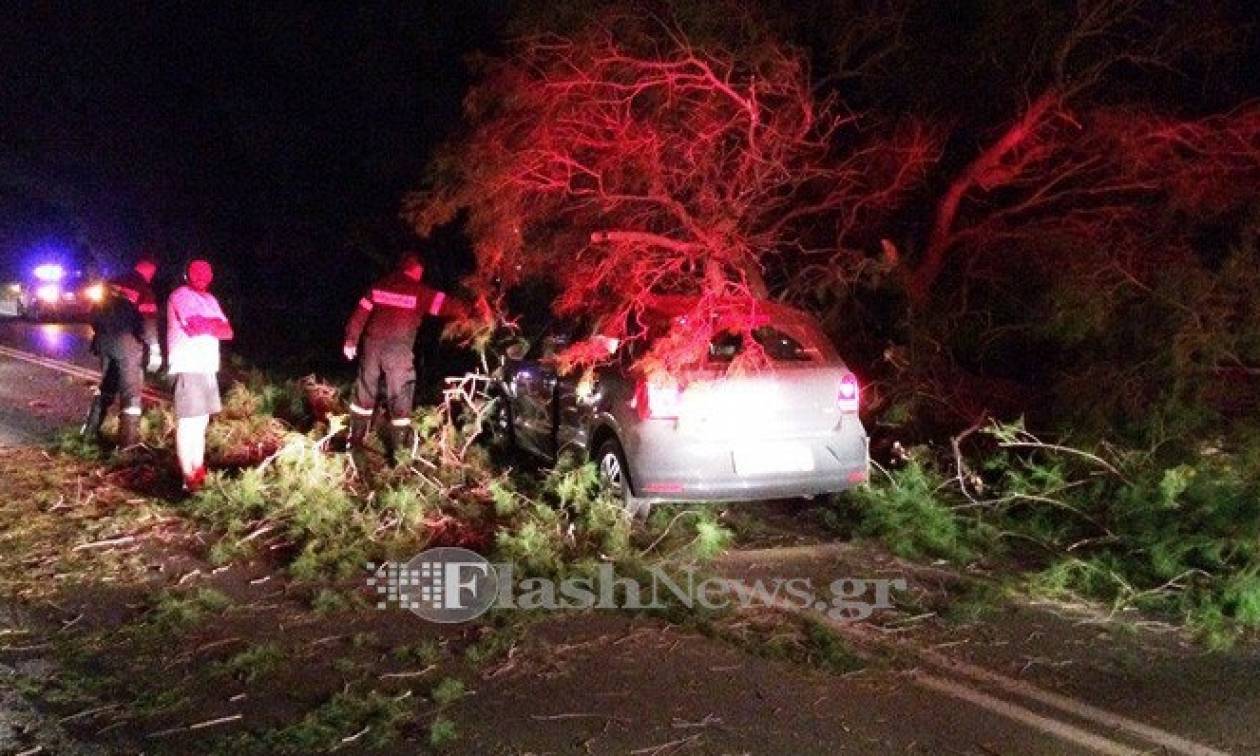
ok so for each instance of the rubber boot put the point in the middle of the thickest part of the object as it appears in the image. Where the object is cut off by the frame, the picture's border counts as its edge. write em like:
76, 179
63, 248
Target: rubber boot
128, 430
96, 415
359, 426
398, 441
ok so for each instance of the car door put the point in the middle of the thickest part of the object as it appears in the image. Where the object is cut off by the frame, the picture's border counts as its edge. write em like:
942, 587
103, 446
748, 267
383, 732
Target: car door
581, 392
534, 389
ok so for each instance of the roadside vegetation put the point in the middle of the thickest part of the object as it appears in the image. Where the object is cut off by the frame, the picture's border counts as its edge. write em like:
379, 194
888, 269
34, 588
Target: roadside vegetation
1178, 541
280, 491
1141, 487
324, 515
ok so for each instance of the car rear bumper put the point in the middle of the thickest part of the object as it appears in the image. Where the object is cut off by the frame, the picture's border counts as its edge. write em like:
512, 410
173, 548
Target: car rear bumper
665, 465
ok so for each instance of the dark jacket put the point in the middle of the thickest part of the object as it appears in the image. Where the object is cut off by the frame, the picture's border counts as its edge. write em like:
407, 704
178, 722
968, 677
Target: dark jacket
129, 310
393, 309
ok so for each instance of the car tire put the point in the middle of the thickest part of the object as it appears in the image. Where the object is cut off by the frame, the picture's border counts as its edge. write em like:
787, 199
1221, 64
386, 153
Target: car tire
614, 474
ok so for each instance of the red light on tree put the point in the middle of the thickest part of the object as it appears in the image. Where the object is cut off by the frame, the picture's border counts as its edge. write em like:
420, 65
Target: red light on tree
630, 161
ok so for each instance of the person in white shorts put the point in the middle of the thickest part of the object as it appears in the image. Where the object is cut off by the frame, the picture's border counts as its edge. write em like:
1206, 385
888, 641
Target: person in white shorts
195, 324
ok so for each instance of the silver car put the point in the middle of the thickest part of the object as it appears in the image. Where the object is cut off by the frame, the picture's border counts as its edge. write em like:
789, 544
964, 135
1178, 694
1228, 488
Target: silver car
788, 430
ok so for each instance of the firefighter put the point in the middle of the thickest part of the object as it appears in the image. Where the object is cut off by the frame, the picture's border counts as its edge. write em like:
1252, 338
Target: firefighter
126, 339
387, 319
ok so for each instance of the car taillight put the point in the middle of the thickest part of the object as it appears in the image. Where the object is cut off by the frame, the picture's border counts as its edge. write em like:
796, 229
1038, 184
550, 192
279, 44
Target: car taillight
658, 398
848, 395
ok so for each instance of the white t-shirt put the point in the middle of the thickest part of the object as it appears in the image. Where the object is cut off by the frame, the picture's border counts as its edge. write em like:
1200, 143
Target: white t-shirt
188, 353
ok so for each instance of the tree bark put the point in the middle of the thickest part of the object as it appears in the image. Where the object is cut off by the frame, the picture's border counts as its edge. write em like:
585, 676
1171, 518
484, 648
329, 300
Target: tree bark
985, 166
642, 237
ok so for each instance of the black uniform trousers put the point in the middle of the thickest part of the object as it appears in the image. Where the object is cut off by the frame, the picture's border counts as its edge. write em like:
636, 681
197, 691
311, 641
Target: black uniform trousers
122, 370
396, 362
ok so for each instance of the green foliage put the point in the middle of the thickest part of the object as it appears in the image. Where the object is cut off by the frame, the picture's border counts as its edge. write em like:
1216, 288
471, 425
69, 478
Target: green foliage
303, 494
70, 442
175, 610
688, 532
1145, 360
793, 638
157, 427
442, 732
328, 601
374, 718
972, 601
425, 653
447, 692
257, 393
333, 516
496, 642
243, 433
712, 538
911, 515
254, 662
825, 650
1180, 540
567, 518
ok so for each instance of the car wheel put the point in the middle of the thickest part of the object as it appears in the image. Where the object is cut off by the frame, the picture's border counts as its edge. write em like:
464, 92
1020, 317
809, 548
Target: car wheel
614, 473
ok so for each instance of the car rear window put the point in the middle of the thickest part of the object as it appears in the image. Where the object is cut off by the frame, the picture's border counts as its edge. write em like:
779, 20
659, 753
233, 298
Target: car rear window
784, 335
777, 345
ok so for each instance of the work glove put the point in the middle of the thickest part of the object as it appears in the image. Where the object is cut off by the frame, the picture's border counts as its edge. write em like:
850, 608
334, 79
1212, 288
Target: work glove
155, 361
350, 351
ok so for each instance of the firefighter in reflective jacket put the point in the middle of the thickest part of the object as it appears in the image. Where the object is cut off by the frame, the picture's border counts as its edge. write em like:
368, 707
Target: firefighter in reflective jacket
387, 319
126, 339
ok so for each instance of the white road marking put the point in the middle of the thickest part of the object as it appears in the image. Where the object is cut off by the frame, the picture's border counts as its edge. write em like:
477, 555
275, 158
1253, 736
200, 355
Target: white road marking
75, 371
1061, 730
1100, 718
1162, 738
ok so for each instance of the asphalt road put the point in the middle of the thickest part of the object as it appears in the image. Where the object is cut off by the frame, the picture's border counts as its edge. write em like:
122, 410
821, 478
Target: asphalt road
36, 402
1023, 682
62, 341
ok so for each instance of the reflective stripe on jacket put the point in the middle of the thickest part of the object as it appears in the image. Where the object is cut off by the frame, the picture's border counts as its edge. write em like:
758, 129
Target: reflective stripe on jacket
393, 309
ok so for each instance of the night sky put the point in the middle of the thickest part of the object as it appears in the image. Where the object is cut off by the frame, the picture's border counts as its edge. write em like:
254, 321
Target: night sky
257, 134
